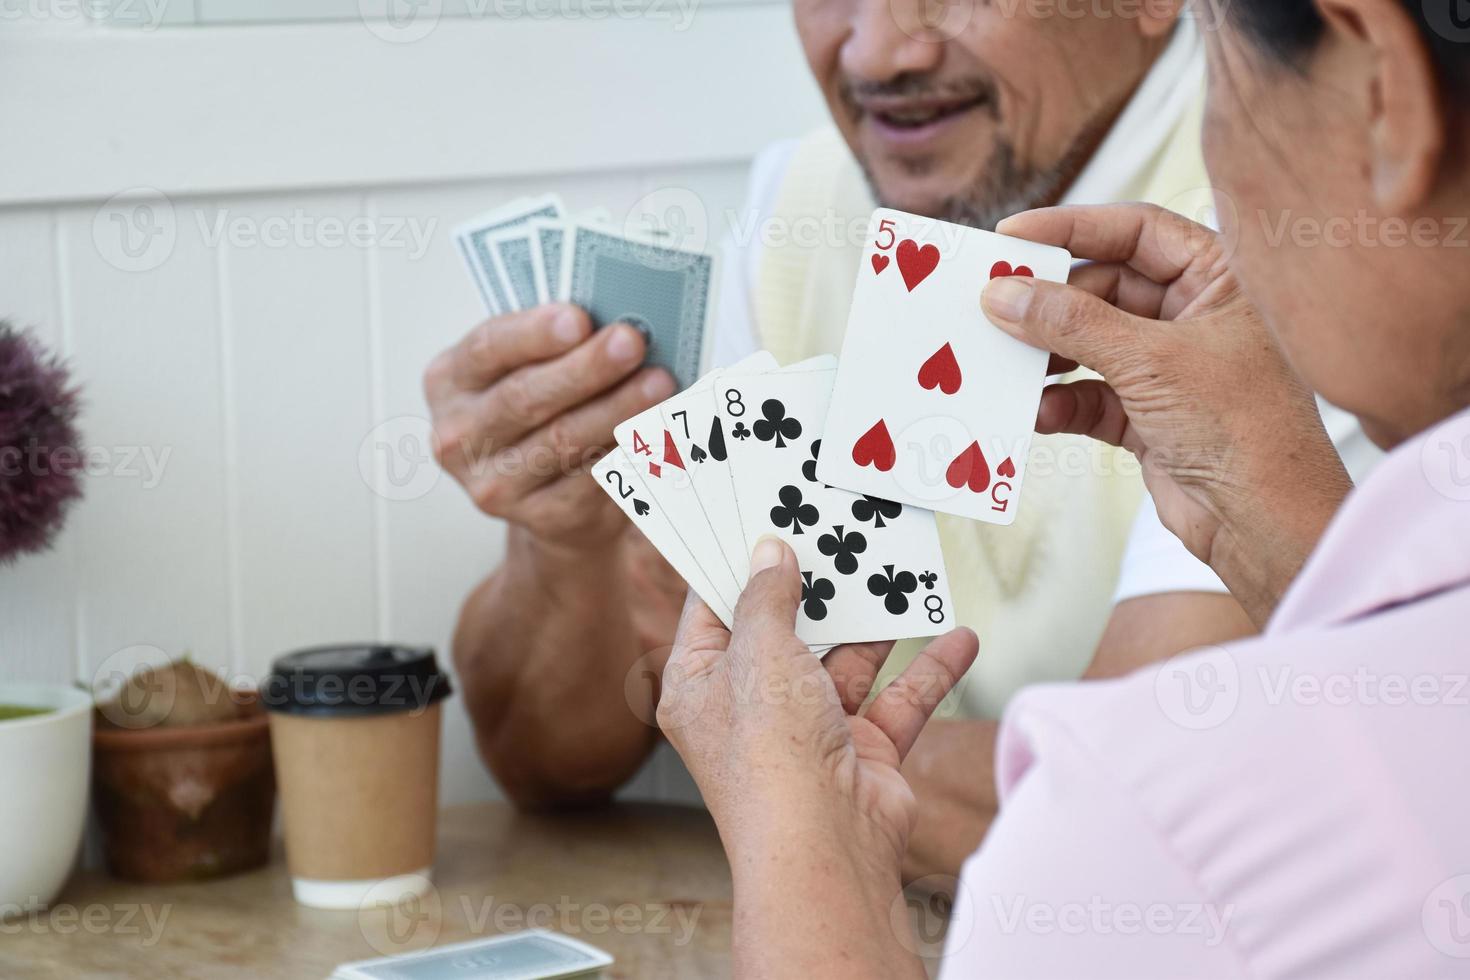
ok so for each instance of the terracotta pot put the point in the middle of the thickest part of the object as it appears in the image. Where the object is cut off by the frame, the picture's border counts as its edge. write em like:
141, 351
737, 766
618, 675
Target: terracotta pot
185, 803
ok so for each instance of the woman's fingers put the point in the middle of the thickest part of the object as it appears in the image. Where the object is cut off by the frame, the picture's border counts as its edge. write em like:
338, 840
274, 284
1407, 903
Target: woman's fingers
1068, 321
904, 706
1158, 243
854, 669
1121, 286
1085, 408
1059, 365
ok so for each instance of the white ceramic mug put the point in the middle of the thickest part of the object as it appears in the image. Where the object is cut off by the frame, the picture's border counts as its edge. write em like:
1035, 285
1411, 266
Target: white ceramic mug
45, 770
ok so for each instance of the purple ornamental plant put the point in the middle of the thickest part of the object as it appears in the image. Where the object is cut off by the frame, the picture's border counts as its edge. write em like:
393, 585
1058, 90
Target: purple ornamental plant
40, 459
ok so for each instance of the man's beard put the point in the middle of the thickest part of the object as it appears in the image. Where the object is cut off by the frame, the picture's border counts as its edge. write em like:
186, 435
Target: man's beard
1006, 186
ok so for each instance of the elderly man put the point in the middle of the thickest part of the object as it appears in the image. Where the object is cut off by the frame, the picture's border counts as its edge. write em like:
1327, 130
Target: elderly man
997, 108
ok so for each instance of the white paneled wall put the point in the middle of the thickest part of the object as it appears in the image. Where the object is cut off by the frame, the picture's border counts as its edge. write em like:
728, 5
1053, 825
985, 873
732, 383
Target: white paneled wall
267, 378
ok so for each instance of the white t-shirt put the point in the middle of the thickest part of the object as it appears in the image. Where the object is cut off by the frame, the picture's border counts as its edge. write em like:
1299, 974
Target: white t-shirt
735, 336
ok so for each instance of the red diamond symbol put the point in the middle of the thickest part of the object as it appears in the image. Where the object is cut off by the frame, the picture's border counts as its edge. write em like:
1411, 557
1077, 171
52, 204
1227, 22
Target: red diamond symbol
655, 469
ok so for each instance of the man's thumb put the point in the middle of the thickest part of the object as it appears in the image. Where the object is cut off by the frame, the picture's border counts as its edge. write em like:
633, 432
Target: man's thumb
1061, 319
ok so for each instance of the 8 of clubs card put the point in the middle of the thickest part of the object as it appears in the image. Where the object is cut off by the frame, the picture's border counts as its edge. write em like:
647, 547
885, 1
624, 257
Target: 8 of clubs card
935, 406
871, 569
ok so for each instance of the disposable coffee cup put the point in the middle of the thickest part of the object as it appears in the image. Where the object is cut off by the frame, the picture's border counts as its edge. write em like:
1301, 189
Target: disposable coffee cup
355, 734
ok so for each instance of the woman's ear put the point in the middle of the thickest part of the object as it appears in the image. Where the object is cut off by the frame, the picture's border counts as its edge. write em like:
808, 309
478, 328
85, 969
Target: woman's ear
1399, 95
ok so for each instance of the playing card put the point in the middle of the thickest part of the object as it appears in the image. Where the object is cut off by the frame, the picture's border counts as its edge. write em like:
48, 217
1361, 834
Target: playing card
474, 237
536, 954
666, 292
934, 406
547, 239
648, 441
699, 439
511, 251
618, 476
872, 569
600, 216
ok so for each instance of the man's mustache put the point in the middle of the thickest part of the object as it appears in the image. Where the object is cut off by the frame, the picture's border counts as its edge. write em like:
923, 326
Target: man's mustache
975, 88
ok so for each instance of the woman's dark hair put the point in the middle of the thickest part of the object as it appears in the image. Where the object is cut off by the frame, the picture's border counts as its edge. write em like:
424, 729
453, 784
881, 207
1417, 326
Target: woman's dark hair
1290, 29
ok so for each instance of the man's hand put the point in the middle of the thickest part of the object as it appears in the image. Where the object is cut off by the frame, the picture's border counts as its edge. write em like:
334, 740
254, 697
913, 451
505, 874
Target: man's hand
522, 406
1231, 442
526, 402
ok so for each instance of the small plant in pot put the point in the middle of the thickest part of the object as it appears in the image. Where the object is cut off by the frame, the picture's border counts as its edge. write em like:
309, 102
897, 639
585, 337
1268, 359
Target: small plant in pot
182, 776
45, 727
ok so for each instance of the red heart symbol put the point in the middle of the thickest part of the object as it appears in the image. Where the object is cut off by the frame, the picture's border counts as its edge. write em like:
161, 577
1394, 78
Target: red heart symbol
1003, 269
1007, 469
916, 263
941, 370
880, 262
969, 467
875, 448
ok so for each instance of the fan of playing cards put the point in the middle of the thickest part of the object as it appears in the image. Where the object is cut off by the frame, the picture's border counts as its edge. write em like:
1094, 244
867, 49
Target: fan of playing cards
931, 409
710, 471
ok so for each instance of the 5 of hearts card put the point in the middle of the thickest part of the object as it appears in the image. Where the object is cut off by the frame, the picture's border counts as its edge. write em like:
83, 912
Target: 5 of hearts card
934, 406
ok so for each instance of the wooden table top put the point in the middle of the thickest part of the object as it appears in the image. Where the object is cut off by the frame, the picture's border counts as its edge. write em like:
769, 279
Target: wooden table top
647, 883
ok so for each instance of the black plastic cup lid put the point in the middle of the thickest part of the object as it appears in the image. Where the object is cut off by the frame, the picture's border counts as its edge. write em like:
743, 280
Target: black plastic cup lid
358, 679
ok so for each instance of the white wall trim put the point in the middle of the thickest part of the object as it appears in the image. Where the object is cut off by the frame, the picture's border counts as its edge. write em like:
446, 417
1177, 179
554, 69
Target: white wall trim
90, 114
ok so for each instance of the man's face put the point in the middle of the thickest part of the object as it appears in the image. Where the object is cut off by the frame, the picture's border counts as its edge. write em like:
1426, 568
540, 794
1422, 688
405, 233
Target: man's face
971, 110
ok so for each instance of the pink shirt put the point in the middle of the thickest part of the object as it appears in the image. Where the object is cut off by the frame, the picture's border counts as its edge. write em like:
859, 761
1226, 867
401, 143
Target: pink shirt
1297, 805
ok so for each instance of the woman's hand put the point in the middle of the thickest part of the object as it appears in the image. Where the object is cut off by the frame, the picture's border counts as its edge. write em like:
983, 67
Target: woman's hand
1230, 440
807, 793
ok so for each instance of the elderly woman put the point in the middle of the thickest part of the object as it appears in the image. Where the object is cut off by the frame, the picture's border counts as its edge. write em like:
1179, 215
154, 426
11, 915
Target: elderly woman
1295, 805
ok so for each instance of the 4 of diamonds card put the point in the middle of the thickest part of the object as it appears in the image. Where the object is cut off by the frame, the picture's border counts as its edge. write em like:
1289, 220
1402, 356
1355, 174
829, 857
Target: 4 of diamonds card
934, 406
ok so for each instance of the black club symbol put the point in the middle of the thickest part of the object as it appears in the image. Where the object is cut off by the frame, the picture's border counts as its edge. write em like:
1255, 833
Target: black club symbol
930, 580
740, 431
843, 548
893, 589
792, 513
776, 425
815, 594
876, 510
809, 468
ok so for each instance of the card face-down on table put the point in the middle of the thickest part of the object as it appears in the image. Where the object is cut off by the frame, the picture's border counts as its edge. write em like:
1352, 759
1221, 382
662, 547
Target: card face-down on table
536, 954
934, 406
